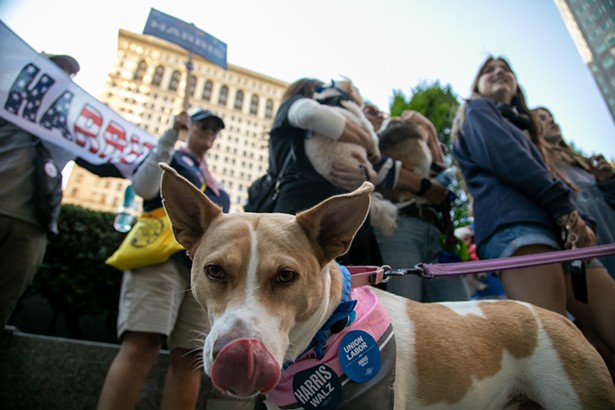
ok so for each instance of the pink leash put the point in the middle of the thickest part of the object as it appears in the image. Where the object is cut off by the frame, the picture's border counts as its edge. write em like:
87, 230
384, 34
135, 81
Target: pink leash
372, 275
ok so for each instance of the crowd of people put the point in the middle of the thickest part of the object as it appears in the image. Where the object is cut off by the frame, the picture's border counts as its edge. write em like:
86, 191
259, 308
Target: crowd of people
530, 193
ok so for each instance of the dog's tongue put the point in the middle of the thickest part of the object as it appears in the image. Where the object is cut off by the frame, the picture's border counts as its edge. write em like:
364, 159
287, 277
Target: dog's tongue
245, 367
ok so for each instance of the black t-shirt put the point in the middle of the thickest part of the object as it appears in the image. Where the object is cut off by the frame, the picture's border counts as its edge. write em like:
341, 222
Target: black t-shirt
304, 187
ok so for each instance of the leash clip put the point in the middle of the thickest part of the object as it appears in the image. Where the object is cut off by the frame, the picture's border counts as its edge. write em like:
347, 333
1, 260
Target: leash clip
388, 273
415, 270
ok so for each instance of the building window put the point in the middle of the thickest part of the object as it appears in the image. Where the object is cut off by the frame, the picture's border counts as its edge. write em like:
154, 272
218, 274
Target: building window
207, 90
269, 109
254, 105
239, 100
140, 71
174, 82
191, 85
158, 73
223, 95
608, 62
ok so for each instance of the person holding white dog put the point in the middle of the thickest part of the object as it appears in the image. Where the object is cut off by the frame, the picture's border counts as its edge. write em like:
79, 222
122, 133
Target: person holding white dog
299, 115
303, 187
156, 305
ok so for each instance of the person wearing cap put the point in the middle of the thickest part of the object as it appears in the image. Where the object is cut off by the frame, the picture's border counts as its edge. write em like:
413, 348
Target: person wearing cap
156, 305
27, 217
67, 63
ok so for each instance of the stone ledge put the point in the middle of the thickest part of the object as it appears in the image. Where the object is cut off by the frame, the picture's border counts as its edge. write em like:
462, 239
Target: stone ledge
42, 372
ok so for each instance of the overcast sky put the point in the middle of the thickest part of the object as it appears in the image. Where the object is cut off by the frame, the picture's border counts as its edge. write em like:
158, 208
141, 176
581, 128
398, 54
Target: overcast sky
381, 45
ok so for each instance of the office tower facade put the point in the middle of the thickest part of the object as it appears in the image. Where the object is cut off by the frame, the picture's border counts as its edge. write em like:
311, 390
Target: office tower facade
591, 24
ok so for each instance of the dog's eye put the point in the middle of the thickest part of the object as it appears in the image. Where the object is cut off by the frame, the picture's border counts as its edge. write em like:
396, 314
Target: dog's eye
285, 277
215, 272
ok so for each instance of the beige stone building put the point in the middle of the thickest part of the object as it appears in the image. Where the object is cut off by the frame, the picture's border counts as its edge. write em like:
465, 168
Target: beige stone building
147, 87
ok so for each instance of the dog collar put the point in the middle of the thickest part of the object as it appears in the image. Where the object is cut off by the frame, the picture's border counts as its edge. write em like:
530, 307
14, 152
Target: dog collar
342, 317
332, 100
335, 101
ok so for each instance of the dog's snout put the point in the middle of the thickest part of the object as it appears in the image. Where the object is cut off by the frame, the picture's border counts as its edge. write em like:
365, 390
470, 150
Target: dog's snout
239, 330
219, 345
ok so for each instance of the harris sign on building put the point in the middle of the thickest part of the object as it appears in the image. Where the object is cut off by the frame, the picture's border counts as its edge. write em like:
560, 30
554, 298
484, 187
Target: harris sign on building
187, 36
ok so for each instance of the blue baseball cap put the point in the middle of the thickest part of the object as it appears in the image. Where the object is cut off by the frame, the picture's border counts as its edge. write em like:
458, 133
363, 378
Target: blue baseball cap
201, 114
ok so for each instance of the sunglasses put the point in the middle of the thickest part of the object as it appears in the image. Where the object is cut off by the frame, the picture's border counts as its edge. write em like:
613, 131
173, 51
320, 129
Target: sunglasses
204, 126
372, 111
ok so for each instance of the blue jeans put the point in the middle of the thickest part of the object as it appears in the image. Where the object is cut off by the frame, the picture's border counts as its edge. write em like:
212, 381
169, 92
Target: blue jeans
415, 241
507, 240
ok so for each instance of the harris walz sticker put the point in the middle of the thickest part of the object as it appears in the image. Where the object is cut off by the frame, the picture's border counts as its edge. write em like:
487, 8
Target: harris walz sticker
318, 388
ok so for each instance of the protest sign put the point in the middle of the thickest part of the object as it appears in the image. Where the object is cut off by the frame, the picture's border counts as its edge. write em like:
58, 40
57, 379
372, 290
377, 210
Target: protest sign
37, 96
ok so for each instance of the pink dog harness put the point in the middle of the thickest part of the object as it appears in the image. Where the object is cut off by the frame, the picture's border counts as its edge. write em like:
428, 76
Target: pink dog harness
357, 367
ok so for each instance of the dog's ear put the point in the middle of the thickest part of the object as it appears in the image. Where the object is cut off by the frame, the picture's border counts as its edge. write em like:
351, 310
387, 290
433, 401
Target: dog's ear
332, 224
189, 210
352, 90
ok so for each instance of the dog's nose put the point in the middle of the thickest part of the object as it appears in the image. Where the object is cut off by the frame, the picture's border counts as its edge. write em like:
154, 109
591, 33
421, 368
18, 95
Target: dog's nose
219, 344
239, 330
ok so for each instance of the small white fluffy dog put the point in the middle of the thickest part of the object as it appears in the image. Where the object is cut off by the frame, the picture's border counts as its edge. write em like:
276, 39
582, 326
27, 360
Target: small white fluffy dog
323, 152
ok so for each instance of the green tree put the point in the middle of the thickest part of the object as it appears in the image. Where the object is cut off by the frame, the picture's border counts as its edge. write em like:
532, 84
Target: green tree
436, 102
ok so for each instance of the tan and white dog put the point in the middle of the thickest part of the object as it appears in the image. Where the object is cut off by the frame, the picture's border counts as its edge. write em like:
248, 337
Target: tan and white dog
268, 283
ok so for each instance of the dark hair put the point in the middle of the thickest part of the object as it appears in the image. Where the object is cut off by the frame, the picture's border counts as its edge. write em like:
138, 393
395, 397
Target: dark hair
561, 152
518, 101
303, 86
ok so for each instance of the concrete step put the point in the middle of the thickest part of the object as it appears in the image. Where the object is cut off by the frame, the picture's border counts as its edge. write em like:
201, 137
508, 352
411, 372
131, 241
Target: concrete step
42, 372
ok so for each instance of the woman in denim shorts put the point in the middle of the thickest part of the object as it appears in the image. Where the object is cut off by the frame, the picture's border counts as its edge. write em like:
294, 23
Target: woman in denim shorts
519, 207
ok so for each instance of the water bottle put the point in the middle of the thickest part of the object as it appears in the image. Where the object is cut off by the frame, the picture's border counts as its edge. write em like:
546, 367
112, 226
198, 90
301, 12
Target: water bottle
126, 213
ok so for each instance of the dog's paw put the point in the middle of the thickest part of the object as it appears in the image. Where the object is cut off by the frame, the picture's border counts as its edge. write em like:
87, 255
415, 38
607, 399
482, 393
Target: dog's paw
374, 156
383, 214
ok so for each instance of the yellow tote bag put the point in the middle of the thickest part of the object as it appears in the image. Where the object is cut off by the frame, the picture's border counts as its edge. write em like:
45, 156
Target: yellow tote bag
149, 242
